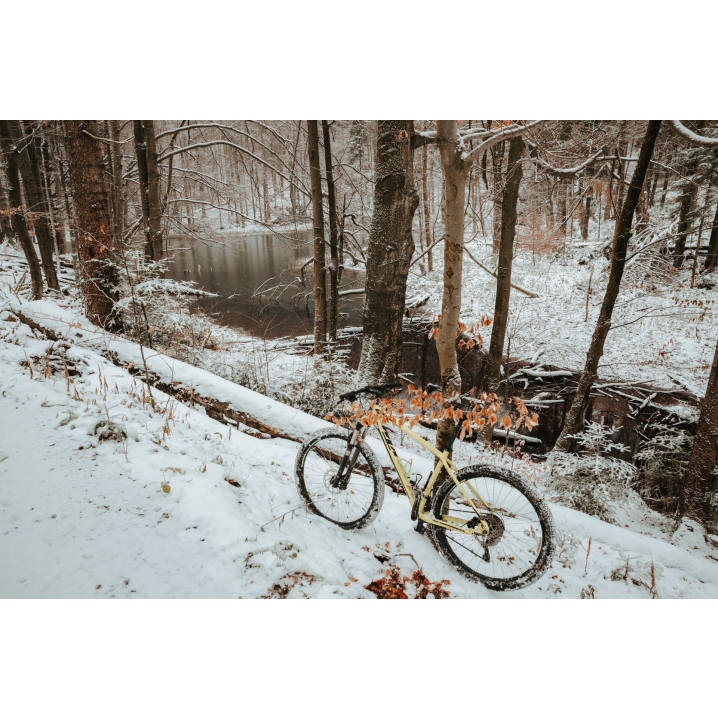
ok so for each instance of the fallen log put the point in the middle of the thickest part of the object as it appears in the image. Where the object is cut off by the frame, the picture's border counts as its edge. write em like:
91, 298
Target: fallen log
223, 400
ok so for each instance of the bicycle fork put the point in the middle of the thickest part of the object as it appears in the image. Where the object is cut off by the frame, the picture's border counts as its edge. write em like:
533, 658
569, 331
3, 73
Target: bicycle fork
341, 480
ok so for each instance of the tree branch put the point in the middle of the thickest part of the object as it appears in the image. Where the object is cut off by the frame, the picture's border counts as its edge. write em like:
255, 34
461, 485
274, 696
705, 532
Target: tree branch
696, 140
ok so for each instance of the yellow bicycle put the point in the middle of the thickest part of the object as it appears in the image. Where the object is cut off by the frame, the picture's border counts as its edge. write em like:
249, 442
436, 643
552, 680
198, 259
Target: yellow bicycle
486, 521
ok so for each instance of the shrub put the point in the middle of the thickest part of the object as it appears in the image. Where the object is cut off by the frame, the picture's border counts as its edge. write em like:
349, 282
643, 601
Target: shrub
592, 482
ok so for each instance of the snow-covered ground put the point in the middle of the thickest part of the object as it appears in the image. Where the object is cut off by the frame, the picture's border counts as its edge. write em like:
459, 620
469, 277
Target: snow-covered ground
85, 517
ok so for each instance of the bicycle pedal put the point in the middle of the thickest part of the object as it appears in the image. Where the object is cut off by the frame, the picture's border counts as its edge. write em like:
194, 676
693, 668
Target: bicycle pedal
420, 527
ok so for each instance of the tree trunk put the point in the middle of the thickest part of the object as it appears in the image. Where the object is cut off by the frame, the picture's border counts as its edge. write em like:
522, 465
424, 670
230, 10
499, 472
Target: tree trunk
696, 496
154, 205
455, 172
31, 178
427, 214
712, 258
6, 231
687, 201
497, 155
320, 290
333, 309
19, 225
561, 192
514, 173
391, 246
141, 155
92, 208
574, 419
69, 223
586, 216
117, 227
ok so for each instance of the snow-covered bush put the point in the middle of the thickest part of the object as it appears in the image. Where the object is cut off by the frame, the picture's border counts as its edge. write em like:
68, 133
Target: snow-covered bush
154, 310
662, 469
591, 481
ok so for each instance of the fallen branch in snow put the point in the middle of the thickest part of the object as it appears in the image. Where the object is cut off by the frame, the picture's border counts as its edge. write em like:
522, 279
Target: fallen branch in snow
493, 274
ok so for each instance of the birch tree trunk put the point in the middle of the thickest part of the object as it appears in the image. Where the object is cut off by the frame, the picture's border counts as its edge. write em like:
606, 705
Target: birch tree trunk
574, 419
391, 246
455, 171
92, 208
320, 291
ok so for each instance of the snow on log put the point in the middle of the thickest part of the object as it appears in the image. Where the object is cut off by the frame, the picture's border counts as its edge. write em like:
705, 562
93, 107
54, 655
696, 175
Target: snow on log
223, 400
545, 374
518, 437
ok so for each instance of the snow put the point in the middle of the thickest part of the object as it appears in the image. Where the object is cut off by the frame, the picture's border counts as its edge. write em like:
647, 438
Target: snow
80, 517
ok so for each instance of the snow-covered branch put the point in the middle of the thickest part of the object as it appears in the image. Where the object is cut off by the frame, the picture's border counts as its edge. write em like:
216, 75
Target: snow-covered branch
566, 171
695, 139
497, 136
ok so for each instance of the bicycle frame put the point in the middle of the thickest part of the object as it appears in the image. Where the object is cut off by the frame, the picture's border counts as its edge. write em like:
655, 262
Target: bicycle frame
444, 462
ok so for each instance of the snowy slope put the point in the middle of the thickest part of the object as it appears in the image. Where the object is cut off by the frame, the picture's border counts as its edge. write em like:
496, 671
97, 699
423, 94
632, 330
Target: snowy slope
80, 517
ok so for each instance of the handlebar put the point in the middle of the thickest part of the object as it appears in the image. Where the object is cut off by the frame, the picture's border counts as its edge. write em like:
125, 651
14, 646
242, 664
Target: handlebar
378, 390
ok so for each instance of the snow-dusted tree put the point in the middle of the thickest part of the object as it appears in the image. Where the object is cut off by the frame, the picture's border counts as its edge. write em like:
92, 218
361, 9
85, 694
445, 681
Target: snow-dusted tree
320, 289
622, 236
92, 209
391, 246
457, 160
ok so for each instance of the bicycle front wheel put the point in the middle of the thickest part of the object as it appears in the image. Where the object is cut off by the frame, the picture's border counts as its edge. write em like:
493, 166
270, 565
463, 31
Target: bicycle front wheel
356, 501
520, 543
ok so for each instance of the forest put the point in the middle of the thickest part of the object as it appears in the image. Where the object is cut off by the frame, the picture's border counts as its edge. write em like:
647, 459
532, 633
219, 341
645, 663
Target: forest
185, 303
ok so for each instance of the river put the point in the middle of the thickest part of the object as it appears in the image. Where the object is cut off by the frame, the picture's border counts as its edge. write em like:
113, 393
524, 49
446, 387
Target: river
241, 264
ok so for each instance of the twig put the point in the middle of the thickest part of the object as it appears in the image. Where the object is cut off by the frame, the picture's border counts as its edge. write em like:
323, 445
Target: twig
523, 291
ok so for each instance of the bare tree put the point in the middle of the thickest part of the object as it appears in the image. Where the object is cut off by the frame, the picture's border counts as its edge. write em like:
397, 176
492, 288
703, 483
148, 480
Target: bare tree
320, 289
574, 419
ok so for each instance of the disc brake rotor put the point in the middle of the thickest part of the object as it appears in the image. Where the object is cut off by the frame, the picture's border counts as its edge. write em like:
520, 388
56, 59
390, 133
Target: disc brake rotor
496, 530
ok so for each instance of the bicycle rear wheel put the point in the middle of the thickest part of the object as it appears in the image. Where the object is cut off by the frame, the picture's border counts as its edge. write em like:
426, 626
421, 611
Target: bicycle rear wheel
357, 501
520, 544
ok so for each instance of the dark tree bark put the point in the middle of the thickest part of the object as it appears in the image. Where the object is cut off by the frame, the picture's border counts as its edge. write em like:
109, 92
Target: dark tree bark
12, 175
391, 246
333, 309
31, 179
687, 201
509, 204
497, 158
320, 271
5, 221
586, 216
574, 419
695, 500
92, 208
141, 155
154, 204
712, 258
